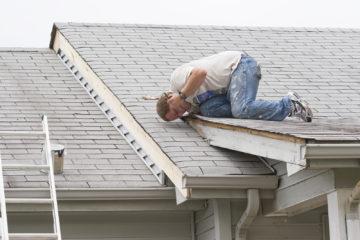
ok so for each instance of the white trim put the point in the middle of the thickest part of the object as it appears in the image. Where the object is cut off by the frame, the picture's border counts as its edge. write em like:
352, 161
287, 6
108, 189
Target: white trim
135, 194
298, 154
179, 197
279, 149
96, 194
134, 205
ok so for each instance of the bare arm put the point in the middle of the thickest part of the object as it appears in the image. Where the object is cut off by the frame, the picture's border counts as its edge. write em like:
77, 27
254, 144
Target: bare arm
196, 78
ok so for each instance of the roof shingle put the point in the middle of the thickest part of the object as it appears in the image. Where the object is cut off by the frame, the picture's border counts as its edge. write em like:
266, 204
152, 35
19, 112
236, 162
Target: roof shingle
36, 82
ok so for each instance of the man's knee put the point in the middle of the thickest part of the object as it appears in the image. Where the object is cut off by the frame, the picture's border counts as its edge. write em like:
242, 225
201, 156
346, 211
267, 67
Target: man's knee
239, 111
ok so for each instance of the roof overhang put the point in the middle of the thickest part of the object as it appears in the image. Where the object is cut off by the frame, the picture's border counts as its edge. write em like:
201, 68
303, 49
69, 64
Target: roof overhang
128, 199
299, 153
135, 199
95, 194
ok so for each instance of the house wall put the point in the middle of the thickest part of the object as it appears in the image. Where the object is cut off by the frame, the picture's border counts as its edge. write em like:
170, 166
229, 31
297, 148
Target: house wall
109, 225
204, 223
307, 226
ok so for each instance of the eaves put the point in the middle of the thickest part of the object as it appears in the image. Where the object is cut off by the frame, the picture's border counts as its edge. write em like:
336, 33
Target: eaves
300, 150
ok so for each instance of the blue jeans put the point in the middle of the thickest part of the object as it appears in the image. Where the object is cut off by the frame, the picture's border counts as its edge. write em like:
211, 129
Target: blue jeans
239, 102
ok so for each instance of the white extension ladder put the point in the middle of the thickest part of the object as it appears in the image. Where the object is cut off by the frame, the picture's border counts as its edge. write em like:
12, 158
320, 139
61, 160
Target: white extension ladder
45, 167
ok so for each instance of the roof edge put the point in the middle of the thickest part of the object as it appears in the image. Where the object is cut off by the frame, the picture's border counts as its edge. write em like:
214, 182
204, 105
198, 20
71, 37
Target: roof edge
207, 27
25, 49
52, 36
97, 194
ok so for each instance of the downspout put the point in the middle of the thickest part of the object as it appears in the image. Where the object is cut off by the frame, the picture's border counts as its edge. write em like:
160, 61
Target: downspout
249, 215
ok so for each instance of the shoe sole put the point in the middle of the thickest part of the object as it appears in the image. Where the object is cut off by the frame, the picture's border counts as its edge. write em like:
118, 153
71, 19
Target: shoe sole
303, 104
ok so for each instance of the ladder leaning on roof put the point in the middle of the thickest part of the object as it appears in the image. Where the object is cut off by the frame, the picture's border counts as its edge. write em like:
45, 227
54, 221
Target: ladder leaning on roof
48, 167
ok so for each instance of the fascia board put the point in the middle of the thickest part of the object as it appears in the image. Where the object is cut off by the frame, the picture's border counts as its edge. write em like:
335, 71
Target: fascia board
296, 152
95, 194
231, 182
52, 36
289, 150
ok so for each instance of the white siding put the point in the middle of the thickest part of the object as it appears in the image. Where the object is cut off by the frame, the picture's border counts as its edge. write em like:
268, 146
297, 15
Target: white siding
306, 226
204, 223
110, 225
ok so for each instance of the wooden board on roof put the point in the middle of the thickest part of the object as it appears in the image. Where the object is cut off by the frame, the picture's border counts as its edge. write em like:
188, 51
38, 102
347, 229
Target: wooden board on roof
320, 130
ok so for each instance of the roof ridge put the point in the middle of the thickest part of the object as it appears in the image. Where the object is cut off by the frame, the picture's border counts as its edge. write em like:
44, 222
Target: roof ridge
213, 27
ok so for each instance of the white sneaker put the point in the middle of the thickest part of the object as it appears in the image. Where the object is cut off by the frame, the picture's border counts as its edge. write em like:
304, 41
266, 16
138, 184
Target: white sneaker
299, 108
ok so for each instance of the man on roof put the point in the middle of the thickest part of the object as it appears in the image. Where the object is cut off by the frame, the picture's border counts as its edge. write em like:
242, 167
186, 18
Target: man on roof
225, 85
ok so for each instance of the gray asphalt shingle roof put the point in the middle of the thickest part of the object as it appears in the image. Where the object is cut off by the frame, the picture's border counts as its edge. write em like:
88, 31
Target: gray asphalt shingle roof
137, 60
320, 64
33, 82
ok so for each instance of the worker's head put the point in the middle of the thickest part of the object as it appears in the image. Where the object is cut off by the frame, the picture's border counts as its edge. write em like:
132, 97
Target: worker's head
168, 111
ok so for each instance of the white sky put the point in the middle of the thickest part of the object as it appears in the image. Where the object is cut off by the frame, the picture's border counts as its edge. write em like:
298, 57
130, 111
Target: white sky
28, 23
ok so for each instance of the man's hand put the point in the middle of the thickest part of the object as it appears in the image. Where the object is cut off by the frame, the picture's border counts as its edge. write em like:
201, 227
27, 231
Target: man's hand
178, 102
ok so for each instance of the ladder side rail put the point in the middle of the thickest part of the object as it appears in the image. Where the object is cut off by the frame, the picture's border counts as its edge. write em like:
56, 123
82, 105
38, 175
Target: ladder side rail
4, 225
51, 178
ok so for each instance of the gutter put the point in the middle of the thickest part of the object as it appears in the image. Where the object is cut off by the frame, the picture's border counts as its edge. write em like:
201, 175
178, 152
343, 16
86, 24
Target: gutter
229, 186
114, 200
95, 194
231, 182
324, 156
249, 215
332, 151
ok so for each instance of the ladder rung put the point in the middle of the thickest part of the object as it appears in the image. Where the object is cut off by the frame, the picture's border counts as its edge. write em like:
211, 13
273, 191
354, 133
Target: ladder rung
26, 166
29, 200
21, 133
29, 236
